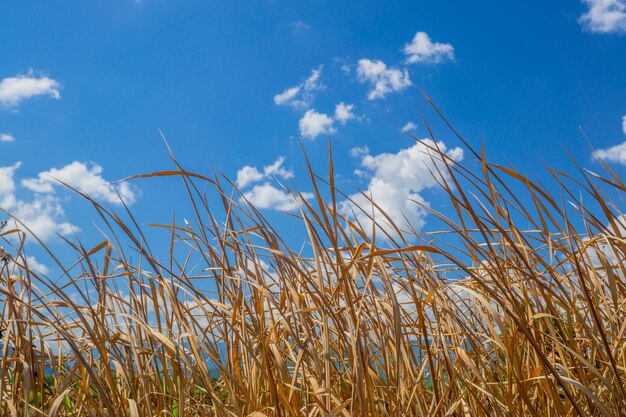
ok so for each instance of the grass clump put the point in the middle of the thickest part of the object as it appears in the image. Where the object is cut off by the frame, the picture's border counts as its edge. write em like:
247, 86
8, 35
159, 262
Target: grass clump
517, 308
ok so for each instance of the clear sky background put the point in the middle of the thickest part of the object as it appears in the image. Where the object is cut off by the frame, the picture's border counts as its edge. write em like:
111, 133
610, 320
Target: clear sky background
86, 86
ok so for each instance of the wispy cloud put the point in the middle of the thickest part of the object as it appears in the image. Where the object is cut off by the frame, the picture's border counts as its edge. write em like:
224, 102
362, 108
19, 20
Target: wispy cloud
409, 126
299, 26
301, 96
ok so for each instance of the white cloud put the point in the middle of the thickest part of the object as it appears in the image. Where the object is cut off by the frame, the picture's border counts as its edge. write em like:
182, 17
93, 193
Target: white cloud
409, 126
313, 124
604, 16
86, 178
7, 184
249, 174
286, 96
267, 196
42, 215
313, 82
14, 90
617, 153
422, 49
383, 80
396, 181
33, 264
344, 113
359, 151
276, 169
36, 266
6, 137
301, 96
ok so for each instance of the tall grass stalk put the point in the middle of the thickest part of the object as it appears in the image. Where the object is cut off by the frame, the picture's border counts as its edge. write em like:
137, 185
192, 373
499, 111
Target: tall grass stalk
516, 308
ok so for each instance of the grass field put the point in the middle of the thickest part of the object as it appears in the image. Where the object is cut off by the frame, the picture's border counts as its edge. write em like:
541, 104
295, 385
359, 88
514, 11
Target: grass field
516, 307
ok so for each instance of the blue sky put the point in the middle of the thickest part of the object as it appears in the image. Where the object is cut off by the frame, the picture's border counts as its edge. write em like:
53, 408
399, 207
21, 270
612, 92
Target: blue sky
85, 88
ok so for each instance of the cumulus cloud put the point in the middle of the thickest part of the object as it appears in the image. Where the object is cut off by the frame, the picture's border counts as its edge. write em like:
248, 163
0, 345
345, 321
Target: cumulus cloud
423, 49
313, 124
604, 16
86, 178
301, 96
249, 174
43, 212
344, 113
14, 90
6, 137
383, 80
43, 215
267, 196
395, 185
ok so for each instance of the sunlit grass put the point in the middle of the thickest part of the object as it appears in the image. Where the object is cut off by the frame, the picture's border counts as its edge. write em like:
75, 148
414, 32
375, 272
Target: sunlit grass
516, 308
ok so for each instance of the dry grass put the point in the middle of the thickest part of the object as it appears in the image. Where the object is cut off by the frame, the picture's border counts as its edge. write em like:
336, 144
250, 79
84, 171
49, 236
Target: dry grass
518, 309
